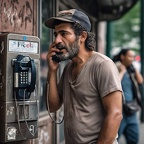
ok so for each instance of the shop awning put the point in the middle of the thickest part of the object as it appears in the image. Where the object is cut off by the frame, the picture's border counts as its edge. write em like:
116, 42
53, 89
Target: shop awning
106, 10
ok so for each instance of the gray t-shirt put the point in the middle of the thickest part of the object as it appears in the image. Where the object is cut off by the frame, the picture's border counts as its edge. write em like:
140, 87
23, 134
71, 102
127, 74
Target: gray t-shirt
83, 110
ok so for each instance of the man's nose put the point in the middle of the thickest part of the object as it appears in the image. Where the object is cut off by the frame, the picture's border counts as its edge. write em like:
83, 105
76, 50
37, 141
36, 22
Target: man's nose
58, 39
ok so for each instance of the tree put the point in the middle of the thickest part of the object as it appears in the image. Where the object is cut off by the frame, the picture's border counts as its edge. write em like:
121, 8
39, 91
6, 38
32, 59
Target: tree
126, 31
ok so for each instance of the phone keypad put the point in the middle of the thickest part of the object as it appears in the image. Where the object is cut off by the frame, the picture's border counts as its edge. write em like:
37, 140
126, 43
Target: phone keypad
24, 77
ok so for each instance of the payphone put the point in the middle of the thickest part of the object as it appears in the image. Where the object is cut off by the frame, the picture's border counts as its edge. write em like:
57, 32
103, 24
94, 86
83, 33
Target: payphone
19, 87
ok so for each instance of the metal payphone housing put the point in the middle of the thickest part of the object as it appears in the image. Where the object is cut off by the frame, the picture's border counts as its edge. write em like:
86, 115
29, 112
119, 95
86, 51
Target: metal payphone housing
19, 118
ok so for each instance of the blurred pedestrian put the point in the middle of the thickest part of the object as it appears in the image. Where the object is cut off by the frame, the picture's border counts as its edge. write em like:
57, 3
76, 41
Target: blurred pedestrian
130, 80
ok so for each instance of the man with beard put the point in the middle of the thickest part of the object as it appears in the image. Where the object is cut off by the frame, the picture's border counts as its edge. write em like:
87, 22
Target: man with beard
89, 87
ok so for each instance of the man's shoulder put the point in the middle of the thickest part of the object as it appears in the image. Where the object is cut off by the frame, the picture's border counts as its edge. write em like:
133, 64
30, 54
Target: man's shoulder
100, 58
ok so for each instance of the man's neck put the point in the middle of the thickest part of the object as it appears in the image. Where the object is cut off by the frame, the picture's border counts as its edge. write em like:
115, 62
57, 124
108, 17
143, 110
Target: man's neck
82, 58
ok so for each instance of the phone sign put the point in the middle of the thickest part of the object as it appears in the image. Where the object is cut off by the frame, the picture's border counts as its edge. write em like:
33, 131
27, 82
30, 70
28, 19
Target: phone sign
23, 46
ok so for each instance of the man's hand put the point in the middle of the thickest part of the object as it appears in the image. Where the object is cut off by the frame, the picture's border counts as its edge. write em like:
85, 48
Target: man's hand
53, 66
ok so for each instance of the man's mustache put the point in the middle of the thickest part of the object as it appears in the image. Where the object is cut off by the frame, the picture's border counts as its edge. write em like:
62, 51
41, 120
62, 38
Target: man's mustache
60, 46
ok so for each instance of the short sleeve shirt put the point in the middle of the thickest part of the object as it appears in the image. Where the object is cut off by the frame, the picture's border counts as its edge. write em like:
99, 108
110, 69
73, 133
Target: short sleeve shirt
83, 110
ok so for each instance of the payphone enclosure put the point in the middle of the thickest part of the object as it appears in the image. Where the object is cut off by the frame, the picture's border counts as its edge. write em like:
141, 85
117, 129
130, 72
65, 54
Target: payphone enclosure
19, 87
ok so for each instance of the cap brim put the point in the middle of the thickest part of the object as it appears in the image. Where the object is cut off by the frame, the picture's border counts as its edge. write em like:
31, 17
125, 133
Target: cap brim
50, 22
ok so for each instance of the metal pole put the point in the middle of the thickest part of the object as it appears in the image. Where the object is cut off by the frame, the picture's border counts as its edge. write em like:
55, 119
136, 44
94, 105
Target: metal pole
97, 35
108, 39
142, 54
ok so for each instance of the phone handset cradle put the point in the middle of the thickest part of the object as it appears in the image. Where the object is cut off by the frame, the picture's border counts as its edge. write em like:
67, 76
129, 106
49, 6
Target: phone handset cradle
24, 77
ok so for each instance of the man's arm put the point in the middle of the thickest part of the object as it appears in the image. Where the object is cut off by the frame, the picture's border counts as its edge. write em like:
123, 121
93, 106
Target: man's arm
113, 106
53, 99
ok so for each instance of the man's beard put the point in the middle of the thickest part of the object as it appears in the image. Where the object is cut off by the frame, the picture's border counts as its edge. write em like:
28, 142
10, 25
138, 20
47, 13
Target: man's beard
71, 50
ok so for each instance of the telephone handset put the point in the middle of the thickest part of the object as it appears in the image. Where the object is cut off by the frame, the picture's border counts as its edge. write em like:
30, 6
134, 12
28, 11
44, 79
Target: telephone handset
56, 57
24, 77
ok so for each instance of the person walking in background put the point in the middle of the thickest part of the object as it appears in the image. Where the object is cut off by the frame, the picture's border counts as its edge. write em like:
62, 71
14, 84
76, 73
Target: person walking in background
130, 80
89, 87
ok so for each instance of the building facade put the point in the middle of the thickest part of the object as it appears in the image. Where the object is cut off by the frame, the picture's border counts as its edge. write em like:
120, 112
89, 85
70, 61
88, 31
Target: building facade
27, 18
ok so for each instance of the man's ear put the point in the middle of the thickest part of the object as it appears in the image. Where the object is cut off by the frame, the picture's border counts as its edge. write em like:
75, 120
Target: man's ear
83, 36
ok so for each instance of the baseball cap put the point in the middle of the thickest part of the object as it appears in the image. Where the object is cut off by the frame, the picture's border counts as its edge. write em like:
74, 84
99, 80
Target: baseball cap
72, 16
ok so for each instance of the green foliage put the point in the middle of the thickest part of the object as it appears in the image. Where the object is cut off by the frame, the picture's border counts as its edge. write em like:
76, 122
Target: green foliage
125, 31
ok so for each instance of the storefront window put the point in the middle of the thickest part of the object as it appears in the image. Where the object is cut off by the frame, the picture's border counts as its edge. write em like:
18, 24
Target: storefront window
45, 41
